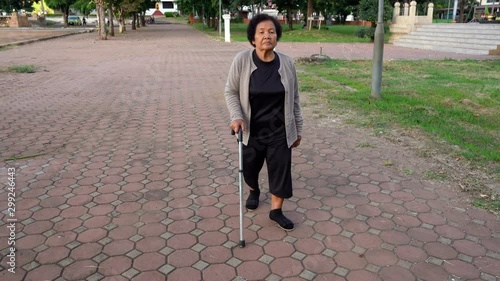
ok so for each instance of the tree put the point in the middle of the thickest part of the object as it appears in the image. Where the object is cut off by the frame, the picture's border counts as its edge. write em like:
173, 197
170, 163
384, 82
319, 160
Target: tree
310, 10
11, 5
344, 8
63, 6
368, 11
290, 6
125, 8
101, 19
84, 6
42, 8
463, 5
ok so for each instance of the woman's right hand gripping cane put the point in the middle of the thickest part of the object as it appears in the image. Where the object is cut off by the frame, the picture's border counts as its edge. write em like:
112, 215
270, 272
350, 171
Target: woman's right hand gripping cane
237, 124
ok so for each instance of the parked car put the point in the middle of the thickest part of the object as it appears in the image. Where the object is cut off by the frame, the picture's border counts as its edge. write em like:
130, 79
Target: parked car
74, 20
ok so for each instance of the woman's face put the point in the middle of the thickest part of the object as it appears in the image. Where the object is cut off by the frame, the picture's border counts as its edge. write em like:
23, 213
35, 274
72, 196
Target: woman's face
265, 36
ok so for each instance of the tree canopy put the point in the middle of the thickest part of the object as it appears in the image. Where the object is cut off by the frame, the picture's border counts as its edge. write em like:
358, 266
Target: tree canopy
10, 5
368, 10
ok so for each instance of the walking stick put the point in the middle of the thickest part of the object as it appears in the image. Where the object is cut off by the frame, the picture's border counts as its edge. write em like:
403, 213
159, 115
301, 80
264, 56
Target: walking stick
240, 189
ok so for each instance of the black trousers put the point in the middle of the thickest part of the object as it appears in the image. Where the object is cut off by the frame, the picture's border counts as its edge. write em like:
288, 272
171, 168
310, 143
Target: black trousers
278, 158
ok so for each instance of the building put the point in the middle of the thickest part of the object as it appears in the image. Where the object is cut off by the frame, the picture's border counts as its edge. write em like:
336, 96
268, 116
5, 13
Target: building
493, 8
163, 7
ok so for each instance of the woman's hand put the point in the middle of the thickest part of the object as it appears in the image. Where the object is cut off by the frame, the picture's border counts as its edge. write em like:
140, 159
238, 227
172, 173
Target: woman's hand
237, 124
297, 142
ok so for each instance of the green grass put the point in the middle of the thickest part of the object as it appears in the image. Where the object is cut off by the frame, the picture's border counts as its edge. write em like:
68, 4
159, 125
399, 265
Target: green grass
456, 101
489, 204
450, 20
327, 34
22, 68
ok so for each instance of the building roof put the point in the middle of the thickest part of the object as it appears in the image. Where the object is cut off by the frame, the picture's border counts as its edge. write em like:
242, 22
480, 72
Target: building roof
157, 13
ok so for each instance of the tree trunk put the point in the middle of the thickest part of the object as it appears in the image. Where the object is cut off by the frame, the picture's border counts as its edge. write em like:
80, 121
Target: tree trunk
65, 16
110, 20
102, 20
290, 18
121, 21
134, 18
461, 15
309, 13
143, 19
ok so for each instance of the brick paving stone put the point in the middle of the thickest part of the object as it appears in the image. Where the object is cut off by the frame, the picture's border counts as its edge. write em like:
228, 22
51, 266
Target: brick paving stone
181, 241
218, 272
91, 235
149, 275
279, 249
395, 273
428, 271
354, 225
152, 229
79, 270
410, 253
150, 244
30, 241
252, 270
381, 257
122, 232
118, 247
367, 240
212, 238
492, 244
23, 257
309, 246
138, 180
215, 254
52, 255
86, 251
350, 260
44, 272
488, 265
441, 251
286, 267
422, 234
250, 252
97, 222
149, 261
362, 275
469, 248
115, 265
38, 227
183, 258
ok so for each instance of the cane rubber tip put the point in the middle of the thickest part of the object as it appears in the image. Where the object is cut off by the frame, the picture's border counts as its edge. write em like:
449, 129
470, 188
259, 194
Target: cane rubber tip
242, 243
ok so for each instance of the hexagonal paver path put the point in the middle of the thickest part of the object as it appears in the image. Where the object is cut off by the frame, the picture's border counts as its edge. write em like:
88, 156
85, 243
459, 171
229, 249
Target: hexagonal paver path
130, 174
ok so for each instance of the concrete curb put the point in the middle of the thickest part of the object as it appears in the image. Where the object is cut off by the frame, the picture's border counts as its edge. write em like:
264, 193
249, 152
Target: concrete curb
29, 41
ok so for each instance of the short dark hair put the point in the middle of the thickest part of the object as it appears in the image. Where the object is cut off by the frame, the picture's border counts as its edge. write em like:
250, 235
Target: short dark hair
252, 26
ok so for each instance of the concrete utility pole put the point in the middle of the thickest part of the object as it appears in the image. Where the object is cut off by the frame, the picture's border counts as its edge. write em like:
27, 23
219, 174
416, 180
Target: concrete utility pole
220, 17
455, 6
378, 53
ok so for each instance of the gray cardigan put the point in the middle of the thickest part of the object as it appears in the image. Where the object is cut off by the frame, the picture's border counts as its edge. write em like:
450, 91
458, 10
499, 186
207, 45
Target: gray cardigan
237, 93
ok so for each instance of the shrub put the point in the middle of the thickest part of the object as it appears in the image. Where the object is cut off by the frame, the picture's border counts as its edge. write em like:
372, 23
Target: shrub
237, 20
365, 31
23, 68
171, 14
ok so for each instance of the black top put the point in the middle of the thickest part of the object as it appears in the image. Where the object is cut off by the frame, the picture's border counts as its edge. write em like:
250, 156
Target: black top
267, 100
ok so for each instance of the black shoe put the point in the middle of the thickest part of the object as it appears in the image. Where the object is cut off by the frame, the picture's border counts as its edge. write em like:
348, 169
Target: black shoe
277, 216
253, 200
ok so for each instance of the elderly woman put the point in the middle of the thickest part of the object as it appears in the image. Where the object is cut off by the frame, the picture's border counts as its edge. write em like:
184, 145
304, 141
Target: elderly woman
262, 96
